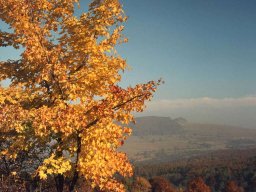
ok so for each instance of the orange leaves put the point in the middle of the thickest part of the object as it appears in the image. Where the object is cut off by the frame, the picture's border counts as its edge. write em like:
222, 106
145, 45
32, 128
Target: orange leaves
101, 159
63, 95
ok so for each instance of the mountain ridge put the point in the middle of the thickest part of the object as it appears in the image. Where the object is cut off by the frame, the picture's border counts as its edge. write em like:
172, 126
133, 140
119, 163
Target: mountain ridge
164, 138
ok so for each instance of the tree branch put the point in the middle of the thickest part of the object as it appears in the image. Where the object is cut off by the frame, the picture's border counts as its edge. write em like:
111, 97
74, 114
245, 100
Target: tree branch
129, 100
114, 108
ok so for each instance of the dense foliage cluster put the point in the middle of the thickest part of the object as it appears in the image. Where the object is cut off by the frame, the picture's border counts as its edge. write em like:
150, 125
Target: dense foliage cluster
63, 115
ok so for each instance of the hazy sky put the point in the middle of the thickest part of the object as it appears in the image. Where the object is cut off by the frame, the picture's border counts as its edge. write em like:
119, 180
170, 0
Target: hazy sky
204, 50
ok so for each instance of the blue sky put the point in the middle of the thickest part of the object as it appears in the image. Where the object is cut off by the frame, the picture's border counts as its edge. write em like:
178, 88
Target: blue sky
204, 50
201, 47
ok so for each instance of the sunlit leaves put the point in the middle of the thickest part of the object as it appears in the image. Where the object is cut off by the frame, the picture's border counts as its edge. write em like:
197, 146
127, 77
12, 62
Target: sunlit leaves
64, 96
53, 165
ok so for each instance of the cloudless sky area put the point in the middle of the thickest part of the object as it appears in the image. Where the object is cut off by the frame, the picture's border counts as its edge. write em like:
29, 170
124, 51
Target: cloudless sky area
201, 48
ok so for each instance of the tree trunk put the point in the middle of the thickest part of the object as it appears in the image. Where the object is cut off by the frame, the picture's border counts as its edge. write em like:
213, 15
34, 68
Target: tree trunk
59, 181
73, 182
76, 173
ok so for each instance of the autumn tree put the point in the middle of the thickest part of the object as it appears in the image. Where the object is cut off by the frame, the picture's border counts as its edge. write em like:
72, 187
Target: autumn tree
161, 184
198, 185
63, 100
141, 184
232, 186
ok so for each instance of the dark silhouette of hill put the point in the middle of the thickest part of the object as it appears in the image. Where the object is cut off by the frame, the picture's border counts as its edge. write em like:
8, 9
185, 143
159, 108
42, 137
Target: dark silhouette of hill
152, 125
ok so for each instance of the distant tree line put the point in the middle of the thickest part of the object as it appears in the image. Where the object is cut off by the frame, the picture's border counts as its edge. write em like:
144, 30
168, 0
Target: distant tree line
222, 171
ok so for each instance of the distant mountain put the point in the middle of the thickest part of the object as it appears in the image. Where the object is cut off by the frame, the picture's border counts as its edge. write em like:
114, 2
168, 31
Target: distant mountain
152, 125
181, 121
164, 138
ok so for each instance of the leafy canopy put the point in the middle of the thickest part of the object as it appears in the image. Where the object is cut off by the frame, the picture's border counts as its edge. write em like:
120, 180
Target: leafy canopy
64, 94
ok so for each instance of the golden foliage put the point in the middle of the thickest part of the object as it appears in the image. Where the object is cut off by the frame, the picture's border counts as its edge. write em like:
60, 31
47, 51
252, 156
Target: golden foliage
64, 91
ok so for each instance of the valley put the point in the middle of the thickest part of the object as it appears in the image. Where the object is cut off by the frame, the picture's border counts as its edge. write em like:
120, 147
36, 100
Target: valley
161, 139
